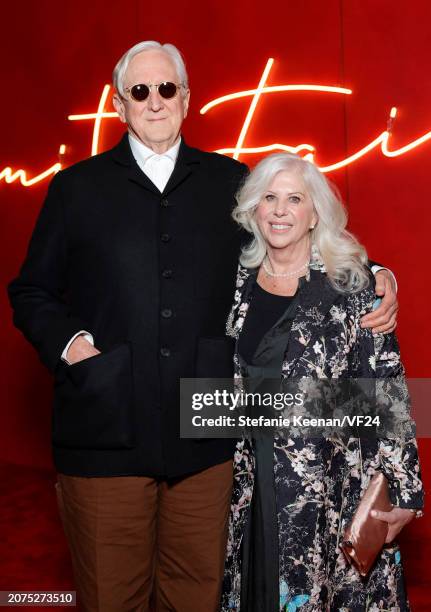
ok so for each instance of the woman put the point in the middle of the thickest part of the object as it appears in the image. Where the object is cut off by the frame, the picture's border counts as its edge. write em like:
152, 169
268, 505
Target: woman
302, 287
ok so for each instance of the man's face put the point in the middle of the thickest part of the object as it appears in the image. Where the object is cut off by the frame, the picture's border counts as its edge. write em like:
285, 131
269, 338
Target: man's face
156, 121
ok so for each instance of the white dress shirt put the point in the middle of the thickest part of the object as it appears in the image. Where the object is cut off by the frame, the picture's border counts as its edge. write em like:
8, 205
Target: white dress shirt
157, 167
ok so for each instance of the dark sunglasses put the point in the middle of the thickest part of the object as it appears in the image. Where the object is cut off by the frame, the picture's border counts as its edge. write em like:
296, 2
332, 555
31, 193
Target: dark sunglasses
141, 92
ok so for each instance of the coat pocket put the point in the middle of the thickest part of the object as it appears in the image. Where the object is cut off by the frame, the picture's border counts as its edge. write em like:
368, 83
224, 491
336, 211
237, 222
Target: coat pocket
93, 402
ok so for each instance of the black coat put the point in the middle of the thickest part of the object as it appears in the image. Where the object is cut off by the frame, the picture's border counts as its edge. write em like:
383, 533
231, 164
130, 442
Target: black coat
151, 275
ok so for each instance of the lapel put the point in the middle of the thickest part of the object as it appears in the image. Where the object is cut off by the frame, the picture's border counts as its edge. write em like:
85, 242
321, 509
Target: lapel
245, 281
187, 160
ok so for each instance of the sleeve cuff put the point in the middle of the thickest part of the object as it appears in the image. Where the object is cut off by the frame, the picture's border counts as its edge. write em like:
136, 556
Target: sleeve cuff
84, 333
375, 269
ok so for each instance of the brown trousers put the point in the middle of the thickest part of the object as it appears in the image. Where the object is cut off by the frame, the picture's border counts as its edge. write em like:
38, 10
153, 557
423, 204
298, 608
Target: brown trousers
141, 544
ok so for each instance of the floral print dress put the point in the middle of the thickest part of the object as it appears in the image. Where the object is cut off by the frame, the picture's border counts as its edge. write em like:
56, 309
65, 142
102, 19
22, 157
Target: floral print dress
318, 482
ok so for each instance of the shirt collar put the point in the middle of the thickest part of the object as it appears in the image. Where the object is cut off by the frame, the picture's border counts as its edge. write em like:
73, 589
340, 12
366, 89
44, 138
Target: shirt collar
142, 153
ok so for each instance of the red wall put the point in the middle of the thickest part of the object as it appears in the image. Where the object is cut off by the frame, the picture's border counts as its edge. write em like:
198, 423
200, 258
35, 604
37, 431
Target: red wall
58, 56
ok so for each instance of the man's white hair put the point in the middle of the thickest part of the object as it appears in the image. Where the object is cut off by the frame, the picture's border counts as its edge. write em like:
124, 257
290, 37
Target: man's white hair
150, 45
344, 257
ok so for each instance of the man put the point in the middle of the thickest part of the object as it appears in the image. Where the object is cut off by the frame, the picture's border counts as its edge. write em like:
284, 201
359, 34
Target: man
125, 289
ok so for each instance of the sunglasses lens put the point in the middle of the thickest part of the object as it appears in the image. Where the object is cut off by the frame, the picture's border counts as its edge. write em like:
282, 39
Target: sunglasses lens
139, 92
167, 90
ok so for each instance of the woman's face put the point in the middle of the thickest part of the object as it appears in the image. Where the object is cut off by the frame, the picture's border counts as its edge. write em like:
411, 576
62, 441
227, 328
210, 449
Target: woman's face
285, 213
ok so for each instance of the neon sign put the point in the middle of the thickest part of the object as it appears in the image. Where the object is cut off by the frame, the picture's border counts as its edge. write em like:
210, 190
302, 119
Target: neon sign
307, 150
97, 116
257, 93
9, 176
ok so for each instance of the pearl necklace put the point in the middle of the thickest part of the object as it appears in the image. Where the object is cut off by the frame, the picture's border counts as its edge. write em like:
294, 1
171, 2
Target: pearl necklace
284, 274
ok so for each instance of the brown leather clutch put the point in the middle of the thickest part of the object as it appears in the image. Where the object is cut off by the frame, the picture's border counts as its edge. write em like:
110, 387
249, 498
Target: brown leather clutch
364, 536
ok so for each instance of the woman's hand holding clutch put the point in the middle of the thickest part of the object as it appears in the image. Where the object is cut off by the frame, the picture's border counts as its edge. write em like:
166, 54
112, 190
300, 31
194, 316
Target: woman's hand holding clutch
397, 518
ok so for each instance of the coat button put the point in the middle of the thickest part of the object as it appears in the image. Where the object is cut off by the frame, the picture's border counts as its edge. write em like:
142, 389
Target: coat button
165, 351
164, 202
167, 313
165, 237
167, 273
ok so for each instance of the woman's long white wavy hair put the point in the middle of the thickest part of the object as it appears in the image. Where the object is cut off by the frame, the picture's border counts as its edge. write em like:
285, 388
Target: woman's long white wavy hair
343, 256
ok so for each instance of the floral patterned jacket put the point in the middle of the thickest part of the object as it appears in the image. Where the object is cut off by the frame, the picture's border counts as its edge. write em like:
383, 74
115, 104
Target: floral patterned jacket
326, 341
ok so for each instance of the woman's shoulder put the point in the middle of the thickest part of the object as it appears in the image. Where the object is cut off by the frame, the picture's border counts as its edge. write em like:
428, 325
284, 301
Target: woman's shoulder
364, 298
346, 307
356, 299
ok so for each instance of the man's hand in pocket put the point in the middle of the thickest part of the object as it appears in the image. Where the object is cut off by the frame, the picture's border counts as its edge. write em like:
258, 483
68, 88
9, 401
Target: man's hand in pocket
80, 349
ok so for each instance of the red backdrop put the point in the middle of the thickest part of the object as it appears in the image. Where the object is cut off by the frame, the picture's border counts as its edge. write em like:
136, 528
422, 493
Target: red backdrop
58, 56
